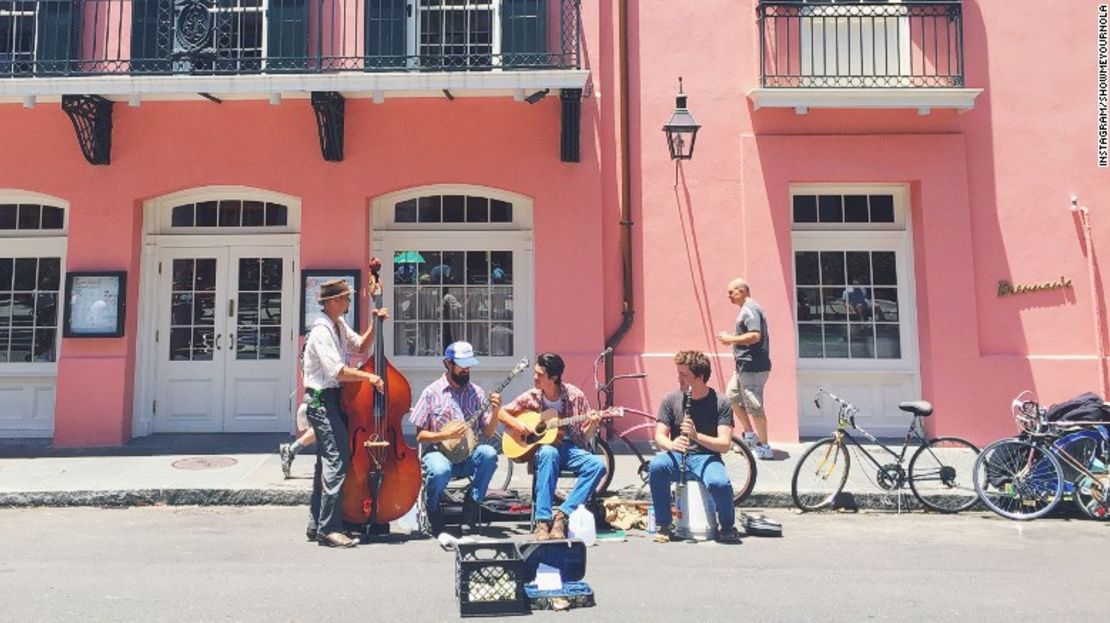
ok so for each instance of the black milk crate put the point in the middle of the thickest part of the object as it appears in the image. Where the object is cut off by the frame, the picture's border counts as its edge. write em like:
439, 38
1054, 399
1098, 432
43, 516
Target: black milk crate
489, 579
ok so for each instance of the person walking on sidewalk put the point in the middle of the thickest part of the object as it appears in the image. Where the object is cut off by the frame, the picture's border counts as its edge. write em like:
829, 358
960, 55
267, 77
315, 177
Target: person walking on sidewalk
751, 349
324, 369
693, 421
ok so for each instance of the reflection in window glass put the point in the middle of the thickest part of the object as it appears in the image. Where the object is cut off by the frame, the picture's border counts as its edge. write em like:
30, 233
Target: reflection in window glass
29, 297
445, 295
838, 311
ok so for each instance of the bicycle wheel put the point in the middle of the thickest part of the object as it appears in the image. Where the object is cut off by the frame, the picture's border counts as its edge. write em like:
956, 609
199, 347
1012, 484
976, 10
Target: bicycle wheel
503, 475
566, 480
740, 465
820, 474
940, 474
1018, 479
1088, 491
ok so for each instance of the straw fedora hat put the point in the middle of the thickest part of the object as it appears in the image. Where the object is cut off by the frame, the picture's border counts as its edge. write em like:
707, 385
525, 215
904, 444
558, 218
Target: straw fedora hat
332, 289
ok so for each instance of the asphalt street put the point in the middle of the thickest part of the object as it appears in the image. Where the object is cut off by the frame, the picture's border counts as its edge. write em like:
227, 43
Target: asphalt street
253, 564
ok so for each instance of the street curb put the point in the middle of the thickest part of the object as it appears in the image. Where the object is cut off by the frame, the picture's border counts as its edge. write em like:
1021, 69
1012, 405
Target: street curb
847, 502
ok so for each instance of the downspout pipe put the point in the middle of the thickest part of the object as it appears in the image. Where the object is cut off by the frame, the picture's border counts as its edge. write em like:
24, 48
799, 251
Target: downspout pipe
1092, 273
628, 310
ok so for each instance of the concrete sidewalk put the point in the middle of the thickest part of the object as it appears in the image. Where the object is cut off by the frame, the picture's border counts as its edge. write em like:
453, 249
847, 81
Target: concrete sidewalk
240, 470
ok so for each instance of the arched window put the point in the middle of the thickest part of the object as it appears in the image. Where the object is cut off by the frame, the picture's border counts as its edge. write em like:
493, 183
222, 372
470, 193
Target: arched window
458, 260
33, 229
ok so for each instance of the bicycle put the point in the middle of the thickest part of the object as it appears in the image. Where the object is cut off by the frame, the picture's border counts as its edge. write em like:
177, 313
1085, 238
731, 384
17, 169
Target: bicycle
938, 472
1027, 476
739, 461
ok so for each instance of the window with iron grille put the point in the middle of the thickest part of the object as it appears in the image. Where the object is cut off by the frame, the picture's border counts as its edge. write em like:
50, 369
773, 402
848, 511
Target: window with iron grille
17, 36
238, 28
455, 33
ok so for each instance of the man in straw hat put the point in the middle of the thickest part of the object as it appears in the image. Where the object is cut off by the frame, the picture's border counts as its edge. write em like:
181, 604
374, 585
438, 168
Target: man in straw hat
325, 367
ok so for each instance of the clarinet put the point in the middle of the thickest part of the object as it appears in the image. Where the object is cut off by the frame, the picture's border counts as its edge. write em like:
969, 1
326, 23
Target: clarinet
682, 463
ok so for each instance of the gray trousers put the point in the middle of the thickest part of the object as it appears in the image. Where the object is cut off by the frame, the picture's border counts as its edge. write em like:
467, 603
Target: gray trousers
333, 457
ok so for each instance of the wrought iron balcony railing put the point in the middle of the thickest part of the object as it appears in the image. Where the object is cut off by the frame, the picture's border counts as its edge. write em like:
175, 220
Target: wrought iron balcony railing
843, 44
52, 38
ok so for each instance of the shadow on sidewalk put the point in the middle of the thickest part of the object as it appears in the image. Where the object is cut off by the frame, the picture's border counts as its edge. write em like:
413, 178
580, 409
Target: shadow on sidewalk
153, 445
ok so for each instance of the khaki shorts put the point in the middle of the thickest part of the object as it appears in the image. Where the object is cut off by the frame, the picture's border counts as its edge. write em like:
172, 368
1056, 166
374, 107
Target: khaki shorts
745, 389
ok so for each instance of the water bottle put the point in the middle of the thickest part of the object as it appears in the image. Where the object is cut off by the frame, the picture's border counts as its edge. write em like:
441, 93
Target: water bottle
651, 520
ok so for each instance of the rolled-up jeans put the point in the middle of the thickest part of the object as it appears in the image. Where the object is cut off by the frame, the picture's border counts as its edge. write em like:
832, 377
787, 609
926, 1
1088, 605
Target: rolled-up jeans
333, 457
550, 460
438, 471
708, 469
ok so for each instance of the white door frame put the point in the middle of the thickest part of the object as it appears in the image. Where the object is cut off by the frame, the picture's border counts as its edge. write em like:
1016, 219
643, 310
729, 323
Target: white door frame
883, 381
156, 225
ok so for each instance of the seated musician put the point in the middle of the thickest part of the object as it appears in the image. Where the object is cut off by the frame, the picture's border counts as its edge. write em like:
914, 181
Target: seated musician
571, 452
696, 421
439, 415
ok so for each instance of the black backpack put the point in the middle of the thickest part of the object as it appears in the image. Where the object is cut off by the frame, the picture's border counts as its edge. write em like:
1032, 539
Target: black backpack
1086, 407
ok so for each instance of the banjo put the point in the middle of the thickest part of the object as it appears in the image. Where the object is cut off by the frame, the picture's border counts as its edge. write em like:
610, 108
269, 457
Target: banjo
457, 450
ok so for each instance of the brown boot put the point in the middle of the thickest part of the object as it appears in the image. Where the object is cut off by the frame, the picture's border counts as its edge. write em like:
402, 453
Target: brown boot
541, 532
559, 525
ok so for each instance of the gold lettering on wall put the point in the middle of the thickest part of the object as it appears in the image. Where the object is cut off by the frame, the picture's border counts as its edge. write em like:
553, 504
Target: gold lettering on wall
1005, 287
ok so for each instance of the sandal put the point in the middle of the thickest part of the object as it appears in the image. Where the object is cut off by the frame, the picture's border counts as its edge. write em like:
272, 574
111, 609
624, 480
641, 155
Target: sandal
665, 534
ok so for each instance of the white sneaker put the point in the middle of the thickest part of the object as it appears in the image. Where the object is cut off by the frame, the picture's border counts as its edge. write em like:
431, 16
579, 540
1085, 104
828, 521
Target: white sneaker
764, 452
750, 439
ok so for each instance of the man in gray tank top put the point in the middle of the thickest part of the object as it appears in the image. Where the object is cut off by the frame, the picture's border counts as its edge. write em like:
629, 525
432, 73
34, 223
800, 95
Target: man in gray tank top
751, 350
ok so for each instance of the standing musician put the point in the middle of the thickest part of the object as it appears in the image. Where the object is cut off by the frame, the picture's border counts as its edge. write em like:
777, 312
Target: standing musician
325, 367
550, 392
695, 426
440, 414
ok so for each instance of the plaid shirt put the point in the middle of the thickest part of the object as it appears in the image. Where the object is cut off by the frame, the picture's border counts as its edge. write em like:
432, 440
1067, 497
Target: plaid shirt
440, 403
574, 403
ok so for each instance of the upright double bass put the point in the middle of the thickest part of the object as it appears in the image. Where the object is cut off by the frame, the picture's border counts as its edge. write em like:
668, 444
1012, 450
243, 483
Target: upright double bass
383, 479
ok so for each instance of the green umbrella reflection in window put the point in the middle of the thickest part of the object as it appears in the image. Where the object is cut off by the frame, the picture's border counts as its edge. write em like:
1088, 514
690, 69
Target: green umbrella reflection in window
405, 267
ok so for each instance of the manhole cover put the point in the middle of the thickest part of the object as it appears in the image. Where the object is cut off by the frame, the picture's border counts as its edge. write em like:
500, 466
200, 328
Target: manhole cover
205, 462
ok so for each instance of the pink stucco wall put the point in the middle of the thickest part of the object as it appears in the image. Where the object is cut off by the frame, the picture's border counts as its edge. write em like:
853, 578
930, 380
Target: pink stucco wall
989, 197
161, 148
990, 192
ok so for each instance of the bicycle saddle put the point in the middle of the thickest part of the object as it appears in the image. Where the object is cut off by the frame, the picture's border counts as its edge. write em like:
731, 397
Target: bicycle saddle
916, 407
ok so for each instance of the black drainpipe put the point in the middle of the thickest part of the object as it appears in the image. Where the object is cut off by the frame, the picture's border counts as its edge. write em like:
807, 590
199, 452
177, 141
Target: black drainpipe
628, 310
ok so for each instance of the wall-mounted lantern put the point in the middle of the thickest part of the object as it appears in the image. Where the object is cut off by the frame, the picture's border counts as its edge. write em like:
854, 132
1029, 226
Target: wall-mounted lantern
682, 130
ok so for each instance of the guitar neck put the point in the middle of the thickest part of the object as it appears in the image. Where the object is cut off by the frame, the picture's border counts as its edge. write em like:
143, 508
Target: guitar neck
574, 419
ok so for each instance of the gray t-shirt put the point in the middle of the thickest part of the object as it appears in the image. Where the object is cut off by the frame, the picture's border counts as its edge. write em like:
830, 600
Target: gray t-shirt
752, 357
708, 413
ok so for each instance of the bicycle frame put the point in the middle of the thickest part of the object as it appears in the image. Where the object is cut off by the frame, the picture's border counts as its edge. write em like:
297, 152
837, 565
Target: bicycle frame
846, 421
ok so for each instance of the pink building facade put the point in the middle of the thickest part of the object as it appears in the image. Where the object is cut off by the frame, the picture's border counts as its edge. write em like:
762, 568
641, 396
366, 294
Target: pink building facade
873, 169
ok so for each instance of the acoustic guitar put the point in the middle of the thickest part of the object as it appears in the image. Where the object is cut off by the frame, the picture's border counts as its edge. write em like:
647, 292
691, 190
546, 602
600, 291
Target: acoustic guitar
548, 427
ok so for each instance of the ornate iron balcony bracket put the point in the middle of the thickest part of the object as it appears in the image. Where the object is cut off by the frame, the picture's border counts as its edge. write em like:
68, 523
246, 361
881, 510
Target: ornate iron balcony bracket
569, 143
329, 107
92, 120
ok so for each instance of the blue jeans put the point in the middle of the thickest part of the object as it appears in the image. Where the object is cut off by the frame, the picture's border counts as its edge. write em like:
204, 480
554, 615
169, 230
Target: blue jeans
550, 460
438, 471
706, 469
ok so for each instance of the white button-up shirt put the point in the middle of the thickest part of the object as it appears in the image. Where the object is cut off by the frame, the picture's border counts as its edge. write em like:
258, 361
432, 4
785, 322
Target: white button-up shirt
326, 352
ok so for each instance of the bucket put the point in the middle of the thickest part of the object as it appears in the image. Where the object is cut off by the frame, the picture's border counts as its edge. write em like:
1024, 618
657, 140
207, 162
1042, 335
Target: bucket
697, 520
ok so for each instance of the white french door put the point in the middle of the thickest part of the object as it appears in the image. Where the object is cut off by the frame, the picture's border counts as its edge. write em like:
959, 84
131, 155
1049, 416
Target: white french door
843, 43
224, 339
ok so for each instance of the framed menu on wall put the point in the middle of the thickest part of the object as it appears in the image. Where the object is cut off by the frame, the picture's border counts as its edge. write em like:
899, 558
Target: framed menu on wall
94, 304
310, 288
